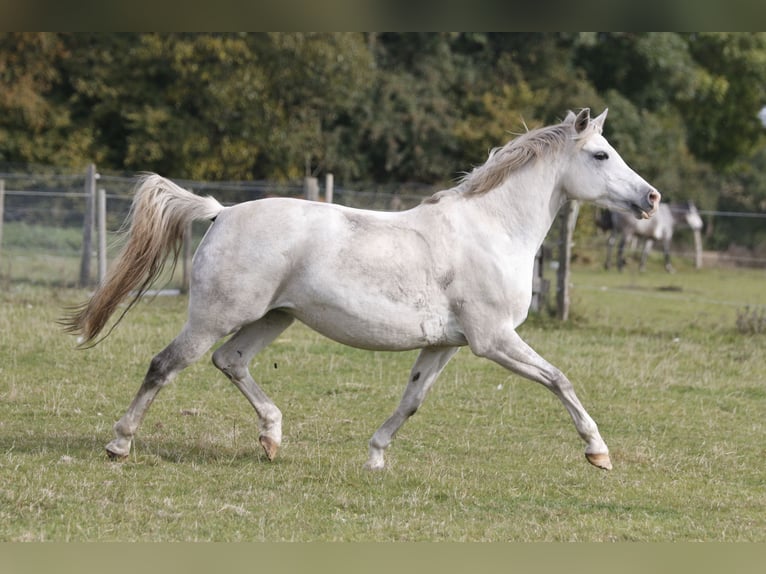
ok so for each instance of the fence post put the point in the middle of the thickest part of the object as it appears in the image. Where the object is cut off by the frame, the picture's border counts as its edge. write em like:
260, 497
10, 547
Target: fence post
568, 221
329, 184
697, 249
2, 208
87, 225
101, 224
311, 188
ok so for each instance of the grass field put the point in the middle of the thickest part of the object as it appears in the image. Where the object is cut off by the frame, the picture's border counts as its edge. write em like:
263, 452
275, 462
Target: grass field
679, 394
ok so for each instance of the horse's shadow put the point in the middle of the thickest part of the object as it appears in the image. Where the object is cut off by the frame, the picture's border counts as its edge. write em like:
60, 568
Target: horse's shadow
92, 448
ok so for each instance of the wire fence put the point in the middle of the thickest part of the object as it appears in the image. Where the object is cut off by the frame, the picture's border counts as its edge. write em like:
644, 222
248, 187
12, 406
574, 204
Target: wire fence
50, 232
49, 227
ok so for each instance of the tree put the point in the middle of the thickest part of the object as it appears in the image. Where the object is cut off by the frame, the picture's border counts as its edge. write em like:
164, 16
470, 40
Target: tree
722, 114
408, 121
217, 106
315, 85
715, 81
34, 126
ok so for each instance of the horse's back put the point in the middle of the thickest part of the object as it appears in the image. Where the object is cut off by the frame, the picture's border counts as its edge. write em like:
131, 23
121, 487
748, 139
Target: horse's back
658, 226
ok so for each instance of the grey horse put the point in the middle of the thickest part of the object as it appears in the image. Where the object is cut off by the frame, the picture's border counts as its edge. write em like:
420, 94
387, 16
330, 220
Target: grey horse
659, 228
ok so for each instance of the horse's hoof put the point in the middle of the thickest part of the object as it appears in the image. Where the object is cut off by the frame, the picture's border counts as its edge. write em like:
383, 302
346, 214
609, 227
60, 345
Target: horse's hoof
375, 461
116, 456
600, 460
373, 467
269, 445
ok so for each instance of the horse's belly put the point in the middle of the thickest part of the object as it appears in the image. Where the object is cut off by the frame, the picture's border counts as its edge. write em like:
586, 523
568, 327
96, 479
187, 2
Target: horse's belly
383, 327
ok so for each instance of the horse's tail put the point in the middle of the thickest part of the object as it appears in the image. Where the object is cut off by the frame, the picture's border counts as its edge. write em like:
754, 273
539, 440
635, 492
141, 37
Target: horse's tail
159, 216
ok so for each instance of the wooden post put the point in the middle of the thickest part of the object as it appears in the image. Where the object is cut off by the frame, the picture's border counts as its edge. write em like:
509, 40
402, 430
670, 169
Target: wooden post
87, 225
311, 188
697, 249
101, 224
329, 184
2, 208
568, 220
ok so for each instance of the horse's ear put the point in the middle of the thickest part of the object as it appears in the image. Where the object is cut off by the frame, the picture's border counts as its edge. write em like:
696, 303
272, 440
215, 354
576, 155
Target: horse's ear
599, 120
582, 120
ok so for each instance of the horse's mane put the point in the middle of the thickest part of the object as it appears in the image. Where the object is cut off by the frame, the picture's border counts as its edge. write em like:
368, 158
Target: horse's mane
517, 153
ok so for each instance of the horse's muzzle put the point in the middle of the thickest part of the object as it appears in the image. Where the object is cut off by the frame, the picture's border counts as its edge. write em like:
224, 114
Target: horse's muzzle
649, 205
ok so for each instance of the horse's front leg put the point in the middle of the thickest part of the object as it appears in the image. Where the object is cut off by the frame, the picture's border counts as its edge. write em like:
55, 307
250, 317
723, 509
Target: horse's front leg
648, 244
510, 351
430, 362
666, 253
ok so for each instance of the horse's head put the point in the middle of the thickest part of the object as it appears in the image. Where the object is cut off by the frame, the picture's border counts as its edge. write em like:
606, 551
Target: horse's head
595, 172
692, 217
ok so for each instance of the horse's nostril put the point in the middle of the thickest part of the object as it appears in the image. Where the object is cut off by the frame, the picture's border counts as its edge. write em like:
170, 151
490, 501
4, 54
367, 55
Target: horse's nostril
654, 197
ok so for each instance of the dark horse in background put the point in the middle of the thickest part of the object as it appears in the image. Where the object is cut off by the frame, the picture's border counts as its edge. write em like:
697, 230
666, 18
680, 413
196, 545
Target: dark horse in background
658, 228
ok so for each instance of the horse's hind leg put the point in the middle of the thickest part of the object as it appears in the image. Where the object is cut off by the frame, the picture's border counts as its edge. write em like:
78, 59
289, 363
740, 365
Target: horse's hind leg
609, 246
179, 354
233, 357
621, 253
426, 369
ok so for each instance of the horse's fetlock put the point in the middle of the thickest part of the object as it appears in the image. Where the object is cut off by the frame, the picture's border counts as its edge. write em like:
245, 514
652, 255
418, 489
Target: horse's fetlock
376, 443
271, 419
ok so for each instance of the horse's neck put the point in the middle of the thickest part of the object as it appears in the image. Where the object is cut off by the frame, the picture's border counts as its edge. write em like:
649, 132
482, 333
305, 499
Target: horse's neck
525, 205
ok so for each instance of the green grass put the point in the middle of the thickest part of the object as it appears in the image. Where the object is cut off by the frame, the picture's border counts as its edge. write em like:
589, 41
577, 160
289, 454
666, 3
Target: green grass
678, 392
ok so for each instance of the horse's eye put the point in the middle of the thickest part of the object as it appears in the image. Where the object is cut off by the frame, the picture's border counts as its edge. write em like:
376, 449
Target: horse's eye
601, 155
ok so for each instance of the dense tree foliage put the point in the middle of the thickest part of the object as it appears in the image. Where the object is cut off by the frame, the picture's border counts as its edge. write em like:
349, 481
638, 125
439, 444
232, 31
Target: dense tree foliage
378, 108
